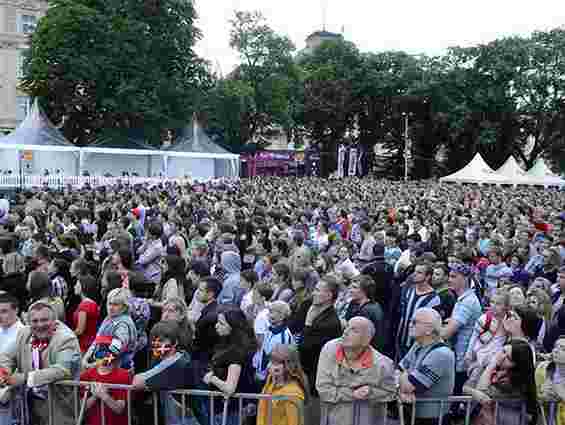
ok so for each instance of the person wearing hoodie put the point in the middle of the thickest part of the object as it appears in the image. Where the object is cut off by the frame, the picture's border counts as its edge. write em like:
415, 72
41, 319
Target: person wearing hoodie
231, 292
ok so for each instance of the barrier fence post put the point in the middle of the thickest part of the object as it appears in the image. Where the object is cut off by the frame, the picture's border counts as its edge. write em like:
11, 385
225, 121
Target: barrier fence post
102, 411
240, 402
270, 412
468, 413
155, 408
75, 402
50, 404
400, 412
128, 401
212, 409
225, 413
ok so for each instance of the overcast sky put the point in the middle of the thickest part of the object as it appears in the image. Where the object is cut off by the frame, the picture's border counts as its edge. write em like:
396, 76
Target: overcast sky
414, 26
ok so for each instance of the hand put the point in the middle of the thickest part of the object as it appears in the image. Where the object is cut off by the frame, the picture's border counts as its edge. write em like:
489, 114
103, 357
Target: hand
208, 378
407, 397
99, 391
6, 379
361, 393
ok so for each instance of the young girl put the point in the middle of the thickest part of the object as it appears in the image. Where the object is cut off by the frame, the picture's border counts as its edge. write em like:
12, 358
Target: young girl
510, 379
286, 378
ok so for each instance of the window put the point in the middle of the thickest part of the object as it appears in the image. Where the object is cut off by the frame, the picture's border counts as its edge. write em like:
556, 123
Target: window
20, 64
23, 105
27, 23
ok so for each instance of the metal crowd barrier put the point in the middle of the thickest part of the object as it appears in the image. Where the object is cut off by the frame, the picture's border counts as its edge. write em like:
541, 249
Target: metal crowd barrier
498, 412
79, 404
502, 412
63, 181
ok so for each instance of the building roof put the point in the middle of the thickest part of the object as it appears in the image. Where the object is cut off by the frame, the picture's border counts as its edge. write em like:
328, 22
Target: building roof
324, 34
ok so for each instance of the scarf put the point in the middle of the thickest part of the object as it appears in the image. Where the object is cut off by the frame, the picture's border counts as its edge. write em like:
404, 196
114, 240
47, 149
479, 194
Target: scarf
38, 345
275, 330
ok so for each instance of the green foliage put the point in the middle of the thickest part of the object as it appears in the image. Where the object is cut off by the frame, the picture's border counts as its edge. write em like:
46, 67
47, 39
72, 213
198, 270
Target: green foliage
102, 65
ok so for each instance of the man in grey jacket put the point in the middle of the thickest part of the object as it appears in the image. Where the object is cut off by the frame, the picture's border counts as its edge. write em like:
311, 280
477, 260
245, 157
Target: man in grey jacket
45, 352
354, 380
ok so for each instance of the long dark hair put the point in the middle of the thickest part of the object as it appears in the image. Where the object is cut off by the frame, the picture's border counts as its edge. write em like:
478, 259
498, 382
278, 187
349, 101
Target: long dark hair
523, 376
176, 269
241, 339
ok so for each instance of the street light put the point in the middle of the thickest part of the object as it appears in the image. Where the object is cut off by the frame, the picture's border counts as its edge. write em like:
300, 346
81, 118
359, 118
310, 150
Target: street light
406, 150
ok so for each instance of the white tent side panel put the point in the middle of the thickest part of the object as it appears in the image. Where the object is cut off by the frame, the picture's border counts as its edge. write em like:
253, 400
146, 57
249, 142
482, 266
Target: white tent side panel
195, 167
98, 164
41, 161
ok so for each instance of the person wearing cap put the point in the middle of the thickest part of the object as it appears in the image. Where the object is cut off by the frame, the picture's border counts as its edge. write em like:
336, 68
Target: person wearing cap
106, 371
460, 325
135, 227
46, 351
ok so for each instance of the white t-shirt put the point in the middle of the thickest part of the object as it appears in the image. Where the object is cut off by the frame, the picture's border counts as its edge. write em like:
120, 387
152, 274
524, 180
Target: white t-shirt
262, 323
8, 336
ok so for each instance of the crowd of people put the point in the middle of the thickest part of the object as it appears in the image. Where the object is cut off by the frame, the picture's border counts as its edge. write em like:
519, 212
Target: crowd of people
340, 296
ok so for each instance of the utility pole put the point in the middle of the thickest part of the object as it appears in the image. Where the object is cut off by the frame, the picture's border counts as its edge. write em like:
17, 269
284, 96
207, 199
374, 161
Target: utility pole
406, 150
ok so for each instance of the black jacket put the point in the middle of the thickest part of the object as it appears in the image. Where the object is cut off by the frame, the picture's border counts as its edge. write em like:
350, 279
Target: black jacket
324, 328
388, 296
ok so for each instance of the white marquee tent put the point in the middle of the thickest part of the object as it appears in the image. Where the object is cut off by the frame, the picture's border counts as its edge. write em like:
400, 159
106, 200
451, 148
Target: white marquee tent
516, 174
195, 155
119, 152
541, 172
476, 171
37, 145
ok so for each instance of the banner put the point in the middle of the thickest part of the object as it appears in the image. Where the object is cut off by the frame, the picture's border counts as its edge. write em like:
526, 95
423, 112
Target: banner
341, 161
352, 162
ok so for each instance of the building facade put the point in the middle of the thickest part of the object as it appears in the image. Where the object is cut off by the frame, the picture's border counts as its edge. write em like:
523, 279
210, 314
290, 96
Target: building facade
18, 19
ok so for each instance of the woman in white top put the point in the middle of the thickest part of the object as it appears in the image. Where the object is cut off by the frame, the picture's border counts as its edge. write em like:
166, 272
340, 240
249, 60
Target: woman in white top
173, 283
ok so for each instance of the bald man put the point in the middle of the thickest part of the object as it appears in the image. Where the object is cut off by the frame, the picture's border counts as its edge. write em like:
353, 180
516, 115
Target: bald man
354, 380
428, 369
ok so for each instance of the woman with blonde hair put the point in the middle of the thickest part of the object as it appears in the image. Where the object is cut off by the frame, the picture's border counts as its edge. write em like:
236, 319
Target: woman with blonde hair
286, 378
118, 330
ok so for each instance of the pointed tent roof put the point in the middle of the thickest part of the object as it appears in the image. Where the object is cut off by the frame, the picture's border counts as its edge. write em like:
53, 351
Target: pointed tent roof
194, 142
476, 171
543, 174
515, 173
540, 169
36, 132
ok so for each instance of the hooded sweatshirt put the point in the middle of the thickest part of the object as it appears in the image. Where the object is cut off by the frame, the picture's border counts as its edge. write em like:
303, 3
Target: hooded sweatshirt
231, 292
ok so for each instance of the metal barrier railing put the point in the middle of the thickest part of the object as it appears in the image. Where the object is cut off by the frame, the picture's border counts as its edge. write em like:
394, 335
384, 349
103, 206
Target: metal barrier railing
180, 401
498, 412
440, 411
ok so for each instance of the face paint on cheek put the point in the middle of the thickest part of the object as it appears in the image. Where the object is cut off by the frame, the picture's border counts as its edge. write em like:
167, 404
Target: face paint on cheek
106, 361
159, 349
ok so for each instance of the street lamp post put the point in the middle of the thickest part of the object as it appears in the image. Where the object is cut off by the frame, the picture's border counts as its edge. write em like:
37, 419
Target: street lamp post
406, 152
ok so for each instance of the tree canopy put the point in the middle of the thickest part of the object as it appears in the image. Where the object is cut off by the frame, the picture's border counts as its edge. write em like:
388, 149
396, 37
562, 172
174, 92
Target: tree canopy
103, 65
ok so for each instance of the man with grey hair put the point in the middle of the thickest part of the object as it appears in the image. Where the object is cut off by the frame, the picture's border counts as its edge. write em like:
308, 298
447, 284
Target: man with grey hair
354, 380
428, 369
46, 351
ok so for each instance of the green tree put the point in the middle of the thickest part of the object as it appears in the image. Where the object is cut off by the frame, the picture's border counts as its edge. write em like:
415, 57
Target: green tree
330, 102
267, 67
228, 109
102, 65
